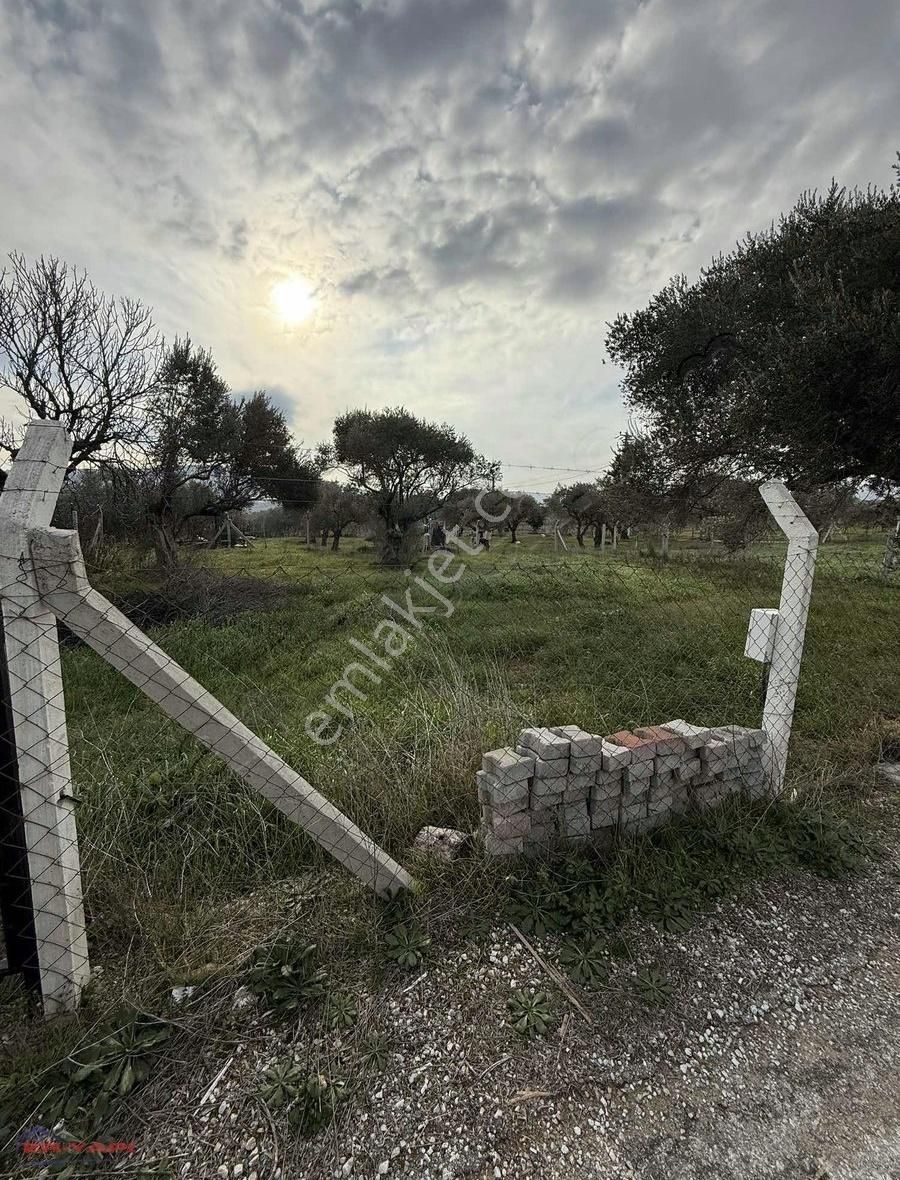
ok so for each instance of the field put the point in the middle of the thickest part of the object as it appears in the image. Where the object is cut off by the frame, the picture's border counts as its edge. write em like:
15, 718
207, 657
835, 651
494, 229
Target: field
187, 872
534, 636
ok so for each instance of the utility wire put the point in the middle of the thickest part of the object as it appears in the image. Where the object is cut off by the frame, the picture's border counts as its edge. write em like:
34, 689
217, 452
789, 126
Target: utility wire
538, 467
518, 466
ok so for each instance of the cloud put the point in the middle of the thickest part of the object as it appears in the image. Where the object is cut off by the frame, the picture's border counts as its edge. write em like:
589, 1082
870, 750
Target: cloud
400, 42
488, 246
610, 219
601, 136
235, 246
388, 282
575, 281
384, 164
472, 187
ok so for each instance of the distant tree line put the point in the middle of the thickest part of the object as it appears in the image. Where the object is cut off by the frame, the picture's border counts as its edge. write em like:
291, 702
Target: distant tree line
728, 511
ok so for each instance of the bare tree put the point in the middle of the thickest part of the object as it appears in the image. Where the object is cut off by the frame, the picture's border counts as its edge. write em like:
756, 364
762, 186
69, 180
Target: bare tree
75, 355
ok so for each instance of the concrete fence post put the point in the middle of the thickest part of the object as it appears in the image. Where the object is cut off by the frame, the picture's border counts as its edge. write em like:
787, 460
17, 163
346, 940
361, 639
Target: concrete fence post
790, 630
38, 748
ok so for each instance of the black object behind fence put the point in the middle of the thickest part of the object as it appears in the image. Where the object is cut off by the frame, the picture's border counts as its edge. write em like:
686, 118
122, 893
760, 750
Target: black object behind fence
18, 954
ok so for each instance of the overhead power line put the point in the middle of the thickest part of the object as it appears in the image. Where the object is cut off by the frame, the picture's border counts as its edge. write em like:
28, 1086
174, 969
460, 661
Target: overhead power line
540, 467
516, 466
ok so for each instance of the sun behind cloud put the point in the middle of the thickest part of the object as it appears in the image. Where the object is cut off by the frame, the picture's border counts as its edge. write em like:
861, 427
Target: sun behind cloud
293, 299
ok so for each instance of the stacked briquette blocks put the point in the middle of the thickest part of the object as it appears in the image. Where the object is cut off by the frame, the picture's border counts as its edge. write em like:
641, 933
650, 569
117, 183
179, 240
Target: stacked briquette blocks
563, 785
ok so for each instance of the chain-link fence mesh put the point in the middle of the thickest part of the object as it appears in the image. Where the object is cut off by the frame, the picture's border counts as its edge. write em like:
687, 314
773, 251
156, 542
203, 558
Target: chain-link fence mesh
40, 887
384, 688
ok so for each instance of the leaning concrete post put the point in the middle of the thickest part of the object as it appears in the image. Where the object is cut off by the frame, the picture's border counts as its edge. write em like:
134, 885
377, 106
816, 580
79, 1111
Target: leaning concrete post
38, 721
63, 582
790, 630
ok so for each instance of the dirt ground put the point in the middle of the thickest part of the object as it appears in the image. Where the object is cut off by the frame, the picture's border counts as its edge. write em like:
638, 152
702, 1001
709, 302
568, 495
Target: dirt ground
777, 1054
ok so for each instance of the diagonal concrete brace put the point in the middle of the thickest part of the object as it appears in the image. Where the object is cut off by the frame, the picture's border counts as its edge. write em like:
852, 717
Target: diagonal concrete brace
65, 590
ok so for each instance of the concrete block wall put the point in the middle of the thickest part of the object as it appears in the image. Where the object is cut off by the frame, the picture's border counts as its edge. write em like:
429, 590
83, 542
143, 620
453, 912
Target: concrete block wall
563, 785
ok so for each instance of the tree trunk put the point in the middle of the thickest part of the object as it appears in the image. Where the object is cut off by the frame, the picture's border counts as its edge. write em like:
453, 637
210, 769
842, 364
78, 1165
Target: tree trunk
164, 545
392, 546
96, 540
512, 533
389, 537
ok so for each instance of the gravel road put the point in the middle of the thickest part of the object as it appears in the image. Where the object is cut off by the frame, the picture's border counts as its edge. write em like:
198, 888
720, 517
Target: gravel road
778, 1054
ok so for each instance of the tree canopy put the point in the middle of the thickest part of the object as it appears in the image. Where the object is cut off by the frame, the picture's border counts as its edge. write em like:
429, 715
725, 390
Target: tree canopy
523, 509
783, 358
408, 466
207, 454
337, 507
582, 503
510, 509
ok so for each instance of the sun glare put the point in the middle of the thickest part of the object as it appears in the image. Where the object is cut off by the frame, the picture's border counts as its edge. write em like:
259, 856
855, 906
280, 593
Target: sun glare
293, 300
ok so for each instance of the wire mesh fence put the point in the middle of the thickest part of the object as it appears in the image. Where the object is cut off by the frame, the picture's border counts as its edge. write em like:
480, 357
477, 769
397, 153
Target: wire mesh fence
40, 887
615, 643
384, 687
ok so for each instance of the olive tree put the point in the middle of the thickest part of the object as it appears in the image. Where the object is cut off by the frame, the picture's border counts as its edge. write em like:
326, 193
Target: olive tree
338, 507
406, 466
583, 504
783, 358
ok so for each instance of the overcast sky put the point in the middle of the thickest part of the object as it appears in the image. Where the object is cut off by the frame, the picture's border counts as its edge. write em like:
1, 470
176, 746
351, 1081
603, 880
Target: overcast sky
472, 188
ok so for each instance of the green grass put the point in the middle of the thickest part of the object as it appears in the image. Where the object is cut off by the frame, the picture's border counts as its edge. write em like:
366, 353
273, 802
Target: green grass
180, 858
532, 638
